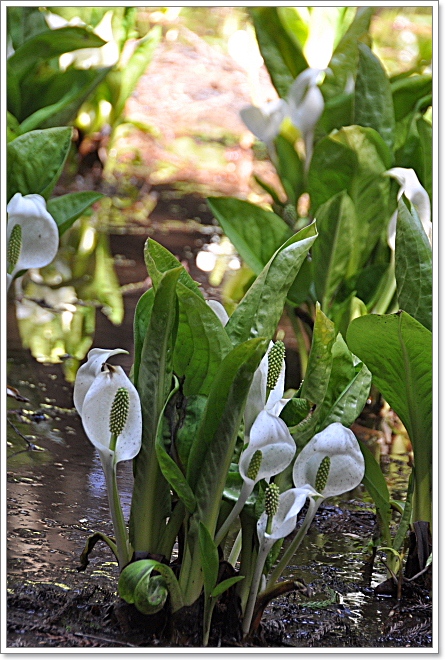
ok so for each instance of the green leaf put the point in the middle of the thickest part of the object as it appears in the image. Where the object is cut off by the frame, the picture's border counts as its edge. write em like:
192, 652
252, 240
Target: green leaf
290, 169
133, 584
319, 365
151, 493
50, 44
398, 351
55, 100
373, 104
202, 342
255, 232
331, 254
192, 411
375, 484
159, 260
226, 584
348, 389
414, 267
36, 160
283, 58
141, 322
169, 468
151, 594
406, 92
258, 313
211, 453
295, 411
131, 576
134, 68
104, 286
354, 159
23, 23
209, 558
344, 60
67, 208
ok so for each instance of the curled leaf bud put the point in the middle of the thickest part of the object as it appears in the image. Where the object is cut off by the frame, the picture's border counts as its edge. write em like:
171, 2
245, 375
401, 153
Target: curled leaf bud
275, 362
14, 247
119, 411
254, 465
322, 474
271, 499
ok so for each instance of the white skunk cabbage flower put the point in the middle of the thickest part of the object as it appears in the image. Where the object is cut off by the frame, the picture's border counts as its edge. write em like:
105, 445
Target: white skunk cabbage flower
331, 463
110, 409
306, 105
109, 406
411, 187
32, 234
265, 122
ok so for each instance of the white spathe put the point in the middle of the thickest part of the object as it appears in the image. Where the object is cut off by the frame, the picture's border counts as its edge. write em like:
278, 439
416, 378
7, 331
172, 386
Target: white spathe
411, 187
306, 105
219, 310
94, 392
270, 435
284, 521
39, 232
265, 122
347, 465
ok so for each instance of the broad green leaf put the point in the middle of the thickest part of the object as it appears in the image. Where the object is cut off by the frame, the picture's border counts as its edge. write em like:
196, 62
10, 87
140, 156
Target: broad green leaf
255, 232
398, 351
134, 68
209, 558
375, 484
50, 44
159, 260
23, 23
36, 160
319, 366
258, 313
192, 411
212, 451
151, 493
406, 92
425, 172
344, 60
202, 342
354, 159
300, 289
414, 267
373, 104
67, 208
283, 58
348, 389
331, 254
169, 468
226, 584
56, 100
141, 322
295, 411
290, 169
